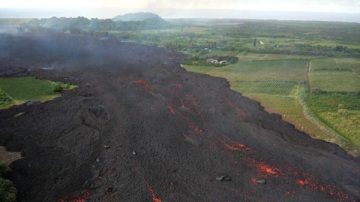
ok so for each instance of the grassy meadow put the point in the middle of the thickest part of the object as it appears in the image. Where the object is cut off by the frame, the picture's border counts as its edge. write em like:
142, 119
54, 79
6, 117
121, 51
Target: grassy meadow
329, 110
335, 95
18, 90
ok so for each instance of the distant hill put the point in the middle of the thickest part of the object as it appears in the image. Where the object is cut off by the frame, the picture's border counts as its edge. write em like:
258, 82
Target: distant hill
142, 16
144, 20
132, 21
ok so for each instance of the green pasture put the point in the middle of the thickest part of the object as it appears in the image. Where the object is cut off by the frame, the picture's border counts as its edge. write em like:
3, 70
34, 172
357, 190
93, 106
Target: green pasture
18, 90
278, 82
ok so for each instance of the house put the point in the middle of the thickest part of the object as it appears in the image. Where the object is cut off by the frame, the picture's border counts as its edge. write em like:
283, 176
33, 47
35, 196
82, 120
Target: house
212, 61
217, 62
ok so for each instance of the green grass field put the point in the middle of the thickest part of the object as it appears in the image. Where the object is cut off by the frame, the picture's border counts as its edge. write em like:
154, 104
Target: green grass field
19, 90
335, 97
336, 75
279, 83
255, 71
292, 111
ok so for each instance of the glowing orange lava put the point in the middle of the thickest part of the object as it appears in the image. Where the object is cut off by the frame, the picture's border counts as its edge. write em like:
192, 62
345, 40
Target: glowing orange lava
303, 179
330, 189
302, 182
144, 84
81, 198
154, 197
233, 145
236, 147
267, 170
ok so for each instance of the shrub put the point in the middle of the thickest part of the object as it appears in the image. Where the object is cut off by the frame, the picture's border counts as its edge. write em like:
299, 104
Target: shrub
7, 188
58, 88
4, 99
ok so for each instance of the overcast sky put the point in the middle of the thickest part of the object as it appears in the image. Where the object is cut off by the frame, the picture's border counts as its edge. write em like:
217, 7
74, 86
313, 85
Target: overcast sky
174, 8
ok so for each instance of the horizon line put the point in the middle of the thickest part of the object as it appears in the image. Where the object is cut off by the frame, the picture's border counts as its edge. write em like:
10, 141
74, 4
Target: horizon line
188, 14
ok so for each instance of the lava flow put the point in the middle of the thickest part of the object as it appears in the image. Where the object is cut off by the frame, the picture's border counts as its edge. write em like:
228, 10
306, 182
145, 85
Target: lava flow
239, 111
267, 170
236, 147
190, 103
154, 196
233, 145
167, 125
143, 84
81, 198
330, 189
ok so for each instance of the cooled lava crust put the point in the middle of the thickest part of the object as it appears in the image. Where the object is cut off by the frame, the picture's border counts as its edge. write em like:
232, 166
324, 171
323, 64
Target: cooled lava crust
141, 128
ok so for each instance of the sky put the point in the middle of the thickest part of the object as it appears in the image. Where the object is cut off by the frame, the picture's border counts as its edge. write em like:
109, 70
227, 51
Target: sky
179, 8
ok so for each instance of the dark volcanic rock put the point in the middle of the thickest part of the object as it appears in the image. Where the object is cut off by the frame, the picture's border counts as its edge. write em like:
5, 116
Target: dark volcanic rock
8, 71
186, 128
223, 178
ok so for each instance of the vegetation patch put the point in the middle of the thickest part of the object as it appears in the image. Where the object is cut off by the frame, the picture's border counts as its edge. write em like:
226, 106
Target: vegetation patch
335, 95
5, 100
19, 90
292, 111
341, 112
335, 75
7, 188
265, 87
265, 70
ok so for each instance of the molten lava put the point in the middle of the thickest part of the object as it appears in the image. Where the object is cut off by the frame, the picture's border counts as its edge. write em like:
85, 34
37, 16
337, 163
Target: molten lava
267, 170
236, 147
330, 189
302, 182
154, 197
81, 198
